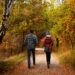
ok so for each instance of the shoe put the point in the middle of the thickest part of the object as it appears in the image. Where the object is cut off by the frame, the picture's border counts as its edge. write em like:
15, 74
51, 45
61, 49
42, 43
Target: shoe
29, 67
34, 64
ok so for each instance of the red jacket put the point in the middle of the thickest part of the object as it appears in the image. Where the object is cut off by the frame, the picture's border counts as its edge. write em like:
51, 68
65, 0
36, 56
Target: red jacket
48, 43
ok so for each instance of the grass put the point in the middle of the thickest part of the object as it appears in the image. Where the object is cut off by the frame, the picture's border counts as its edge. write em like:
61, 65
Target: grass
68, 57
10, 62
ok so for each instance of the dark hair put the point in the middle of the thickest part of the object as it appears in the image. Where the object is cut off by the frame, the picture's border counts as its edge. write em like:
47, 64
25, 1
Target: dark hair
31, 31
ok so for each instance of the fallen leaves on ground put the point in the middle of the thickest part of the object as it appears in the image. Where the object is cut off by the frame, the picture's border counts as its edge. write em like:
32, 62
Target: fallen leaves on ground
37, 70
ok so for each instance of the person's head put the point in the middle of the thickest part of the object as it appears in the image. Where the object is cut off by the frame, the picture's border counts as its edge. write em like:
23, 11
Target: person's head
31, 31
48, 34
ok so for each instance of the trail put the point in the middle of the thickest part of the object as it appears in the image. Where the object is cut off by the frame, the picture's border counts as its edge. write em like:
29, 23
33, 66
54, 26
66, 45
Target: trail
41, 60
41, 68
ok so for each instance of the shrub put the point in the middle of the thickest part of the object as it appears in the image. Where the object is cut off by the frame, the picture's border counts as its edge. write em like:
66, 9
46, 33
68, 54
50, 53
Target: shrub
68, 58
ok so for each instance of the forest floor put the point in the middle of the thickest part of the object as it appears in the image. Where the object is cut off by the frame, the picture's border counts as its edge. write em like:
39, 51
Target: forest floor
41, 68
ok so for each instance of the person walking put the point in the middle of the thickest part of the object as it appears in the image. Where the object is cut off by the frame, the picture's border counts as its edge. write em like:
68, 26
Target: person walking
48, 43
31, 42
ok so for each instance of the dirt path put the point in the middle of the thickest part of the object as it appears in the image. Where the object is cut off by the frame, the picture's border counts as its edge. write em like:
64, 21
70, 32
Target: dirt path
41, 68
41, 60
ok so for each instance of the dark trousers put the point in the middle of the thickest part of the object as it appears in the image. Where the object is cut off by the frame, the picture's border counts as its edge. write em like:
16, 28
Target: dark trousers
29, 54
48, 57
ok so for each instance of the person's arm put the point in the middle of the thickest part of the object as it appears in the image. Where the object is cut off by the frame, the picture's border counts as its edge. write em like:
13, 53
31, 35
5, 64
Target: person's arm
51, 44
44, 44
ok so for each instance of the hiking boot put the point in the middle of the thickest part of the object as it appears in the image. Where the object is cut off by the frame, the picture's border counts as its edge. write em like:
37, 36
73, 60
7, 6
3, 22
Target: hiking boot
34, 64
29, 67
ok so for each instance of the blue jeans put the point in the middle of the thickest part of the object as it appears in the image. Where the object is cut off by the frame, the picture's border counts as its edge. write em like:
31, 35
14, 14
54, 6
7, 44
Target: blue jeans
29, 54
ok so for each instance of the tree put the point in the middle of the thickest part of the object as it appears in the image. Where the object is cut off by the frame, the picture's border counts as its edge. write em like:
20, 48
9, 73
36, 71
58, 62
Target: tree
65, 22
5, 16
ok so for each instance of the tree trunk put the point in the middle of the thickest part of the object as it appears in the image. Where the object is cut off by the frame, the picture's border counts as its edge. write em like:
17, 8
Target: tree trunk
5, 16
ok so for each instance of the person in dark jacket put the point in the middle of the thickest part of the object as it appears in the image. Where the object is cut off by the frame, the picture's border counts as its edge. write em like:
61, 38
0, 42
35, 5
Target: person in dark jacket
31, 42
48, 43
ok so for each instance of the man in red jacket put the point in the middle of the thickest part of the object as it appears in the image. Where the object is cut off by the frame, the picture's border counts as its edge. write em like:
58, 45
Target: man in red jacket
48, 43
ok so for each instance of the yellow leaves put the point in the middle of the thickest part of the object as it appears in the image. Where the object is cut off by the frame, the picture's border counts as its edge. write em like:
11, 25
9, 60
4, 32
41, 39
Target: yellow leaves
68, 22
23, 26
70, 3
26, 12
38, 19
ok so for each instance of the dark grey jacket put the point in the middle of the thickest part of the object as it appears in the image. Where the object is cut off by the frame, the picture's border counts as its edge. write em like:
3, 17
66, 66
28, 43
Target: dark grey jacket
31, 41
